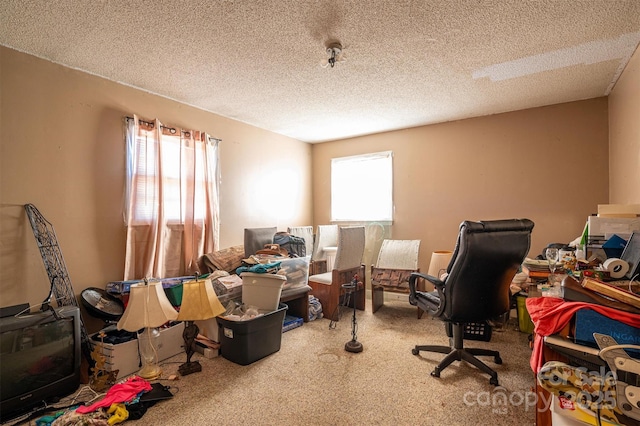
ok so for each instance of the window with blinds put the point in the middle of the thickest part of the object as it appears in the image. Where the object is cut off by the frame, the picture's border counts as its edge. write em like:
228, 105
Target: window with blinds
181, 166
362, 187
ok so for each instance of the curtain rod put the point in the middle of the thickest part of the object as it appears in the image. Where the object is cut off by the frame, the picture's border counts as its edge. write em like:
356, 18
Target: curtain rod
171, 129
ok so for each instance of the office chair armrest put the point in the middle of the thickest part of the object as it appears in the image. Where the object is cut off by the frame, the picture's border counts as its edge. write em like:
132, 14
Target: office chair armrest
439, 284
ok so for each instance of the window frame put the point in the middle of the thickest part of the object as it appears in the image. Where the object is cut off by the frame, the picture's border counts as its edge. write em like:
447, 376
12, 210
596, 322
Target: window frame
138, 169
344, 186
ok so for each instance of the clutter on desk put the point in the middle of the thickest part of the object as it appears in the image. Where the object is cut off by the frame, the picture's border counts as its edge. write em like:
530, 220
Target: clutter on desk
611, 268
572, 290
612, 292
610, 282
533, 266
590, 280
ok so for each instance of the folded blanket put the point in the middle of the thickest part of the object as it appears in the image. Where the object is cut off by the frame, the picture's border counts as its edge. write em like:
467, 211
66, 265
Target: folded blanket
222, 260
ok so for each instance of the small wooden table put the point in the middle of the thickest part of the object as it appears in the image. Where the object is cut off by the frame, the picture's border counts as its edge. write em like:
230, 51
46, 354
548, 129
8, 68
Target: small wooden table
298, 302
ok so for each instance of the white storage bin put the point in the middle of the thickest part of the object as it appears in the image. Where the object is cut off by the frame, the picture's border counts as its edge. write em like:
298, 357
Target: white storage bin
262, 290
125, 356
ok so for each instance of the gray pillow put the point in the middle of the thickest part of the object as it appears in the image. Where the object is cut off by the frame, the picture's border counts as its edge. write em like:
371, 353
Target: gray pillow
256, 238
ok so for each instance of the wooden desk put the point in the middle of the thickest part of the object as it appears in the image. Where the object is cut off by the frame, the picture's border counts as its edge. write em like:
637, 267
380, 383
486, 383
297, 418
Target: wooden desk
548, 313
543, 397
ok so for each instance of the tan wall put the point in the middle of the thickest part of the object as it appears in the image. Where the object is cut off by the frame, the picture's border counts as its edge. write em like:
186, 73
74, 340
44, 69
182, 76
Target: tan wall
624, 136
63, 150
547, 164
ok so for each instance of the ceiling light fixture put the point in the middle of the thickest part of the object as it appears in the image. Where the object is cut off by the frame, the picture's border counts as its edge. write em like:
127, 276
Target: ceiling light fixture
335, 53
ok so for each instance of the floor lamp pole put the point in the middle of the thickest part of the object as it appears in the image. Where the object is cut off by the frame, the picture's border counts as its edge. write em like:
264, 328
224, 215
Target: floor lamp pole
353, 345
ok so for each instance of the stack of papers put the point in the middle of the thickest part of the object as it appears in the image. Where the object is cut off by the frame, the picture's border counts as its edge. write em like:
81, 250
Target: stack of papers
230, 282
537, 265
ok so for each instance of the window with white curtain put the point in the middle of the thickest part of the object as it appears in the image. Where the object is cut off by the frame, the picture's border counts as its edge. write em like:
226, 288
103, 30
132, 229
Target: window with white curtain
177, 173
362, 187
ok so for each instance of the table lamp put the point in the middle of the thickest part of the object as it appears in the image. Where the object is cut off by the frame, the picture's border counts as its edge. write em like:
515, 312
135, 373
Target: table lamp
199, 302
439, 262
147, 309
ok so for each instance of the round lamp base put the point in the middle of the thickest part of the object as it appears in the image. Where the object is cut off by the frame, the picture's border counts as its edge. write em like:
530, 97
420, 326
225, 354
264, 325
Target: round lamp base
150, 372
353, 346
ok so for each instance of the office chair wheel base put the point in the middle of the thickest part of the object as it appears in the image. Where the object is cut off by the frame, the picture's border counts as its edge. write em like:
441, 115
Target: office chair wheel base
493, 381
414, 351
435, 372
498, 360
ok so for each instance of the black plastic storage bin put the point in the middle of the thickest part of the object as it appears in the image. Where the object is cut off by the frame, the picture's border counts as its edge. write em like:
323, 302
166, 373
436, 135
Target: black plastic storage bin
472, 331
244, 342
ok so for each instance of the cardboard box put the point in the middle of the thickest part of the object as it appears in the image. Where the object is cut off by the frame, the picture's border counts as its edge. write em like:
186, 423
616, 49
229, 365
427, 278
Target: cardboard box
125, 356
589, 321
172, 287
604, 227
209, 329
618, 210
566, 413
244, 342
228, 288
171, 342
120, 287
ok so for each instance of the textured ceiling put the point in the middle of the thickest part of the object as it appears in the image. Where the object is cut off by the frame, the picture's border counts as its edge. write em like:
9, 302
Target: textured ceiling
408, 63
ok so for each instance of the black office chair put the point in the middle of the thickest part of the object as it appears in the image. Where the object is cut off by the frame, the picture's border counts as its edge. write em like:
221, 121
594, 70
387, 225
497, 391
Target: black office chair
476, 289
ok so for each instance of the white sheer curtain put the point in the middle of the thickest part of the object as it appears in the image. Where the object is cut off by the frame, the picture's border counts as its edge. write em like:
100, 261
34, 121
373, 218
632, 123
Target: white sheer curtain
171, 199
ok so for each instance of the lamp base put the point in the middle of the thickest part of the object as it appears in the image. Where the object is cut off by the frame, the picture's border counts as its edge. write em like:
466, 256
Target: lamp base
150, 372
189, 367
353, 346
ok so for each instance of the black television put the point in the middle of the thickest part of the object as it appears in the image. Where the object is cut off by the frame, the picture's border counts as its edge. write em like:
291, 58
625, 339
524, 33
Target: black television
39, 359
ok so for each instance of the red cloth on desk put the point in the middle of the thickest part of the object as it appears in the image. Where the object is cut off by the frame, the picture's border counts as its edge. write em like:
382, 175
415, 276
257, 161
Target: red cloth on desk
551, 314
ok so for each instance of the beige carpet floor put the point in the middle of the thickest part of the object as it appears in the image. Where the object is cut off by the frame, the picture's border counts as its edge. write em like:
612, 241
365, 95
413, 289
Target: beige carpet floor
312, 380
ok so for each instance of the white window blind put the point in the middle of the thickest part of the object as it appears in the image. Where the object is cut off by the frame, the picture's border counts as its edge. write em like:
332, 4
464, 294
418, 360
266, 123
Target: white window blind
181, 168
362, 187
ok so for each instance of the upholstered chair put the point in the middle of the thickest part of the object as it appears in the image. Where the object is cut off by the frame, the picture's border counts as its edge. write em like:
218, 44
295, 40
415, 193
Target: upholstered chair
327, 287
